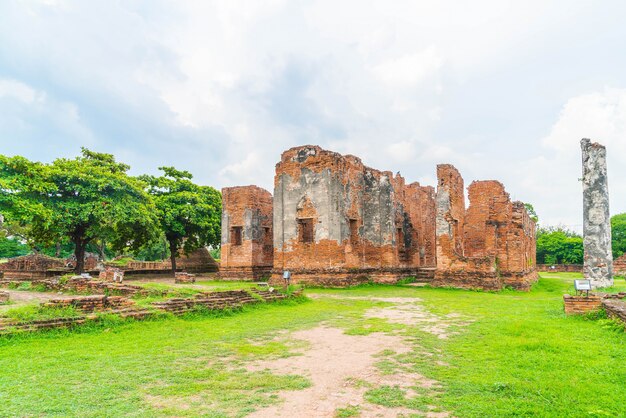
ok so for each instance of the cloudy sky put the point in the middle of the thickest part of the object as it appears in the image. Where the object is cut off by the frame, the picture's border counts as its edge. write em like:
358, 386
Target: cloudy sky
501, 89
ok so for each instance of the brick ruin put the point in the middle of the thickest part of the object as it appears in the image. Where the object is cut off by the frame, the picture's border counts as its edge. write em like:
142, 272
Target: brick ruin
247, 250
337, 222
340, 222
490, 244
619, 265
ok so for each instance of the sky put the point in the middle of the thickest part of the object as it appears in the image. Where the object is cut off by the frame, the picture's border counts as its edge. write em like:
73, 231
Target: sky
503, 90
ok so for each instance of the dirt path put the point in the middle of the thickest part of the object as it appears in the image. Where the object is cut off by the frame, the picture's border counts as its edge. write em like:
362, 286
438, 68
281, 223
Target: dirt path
337, 365
23, 297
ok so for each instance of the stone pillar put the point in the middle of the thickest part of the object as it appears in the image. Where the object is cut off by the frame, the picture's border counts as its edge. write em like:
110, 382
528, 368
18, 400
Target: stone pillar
598, 266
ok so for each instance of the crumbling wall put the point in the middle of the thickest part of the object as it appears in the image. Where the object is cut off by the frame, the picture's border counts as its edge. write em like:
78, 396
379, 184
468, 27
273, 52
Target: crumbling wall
619, 265
490, 244
340, 222
247, 231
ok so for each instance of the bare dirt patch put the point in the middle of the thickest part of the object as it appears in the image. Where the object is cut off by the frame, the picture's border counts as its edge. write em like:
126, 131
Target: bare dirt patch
23, 297
342, 367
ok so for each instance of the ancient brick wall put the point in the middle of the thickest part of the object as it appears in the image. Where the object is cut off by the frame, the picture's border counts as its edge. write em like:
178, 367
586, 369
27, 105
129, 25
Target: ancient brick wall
561, 268
247, 233
490, 244
336, 217
619, 265
32, 262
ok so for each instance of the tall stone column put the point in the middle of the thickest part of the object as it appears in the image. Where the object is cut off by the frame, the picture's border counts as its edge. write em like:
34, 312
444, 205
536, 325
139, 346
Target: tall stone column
598, 265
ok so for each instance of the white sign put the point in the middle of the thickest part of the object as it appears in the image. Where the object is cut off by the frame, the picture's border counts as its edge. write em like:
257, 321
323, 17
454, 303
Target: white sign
582, 284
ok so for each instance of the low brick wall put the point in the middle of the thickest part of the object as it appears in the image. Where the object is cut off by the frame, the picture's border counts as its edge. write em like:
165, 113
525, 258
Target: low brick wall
615, 308
125, 309
577, 305
351, 277
92, 303
561, 268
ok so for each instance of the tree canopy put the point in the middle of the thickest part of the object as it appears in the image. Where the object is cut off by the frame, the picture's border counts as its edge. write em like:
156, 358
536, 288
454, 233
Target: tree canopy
557, 245
189, 215
618, 234
80, 200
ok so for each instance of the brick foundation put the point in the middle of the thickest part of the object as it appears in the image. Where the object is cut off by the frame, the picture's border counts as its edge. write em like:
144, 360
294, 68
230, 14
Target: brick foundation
619, 265
91, 303
577, 305
561, 268
351, 277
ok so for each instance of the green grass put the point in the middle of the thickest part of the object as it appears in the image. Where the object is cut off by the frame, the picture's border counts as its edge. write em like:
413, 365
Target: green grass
518, 355
37, 312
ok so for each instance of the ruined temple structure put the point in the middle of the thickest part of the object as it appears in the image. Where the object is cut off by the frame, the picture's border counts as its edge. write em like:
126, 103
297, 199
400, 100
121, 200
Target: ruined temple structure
598, 258
247, 250
619, 266
32, 266
337, 222
489, 245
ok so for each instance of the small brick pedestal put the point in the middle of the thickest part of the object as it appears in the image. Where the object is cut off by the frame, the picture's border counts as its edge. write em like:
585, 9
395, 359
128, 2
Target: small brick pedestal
184, 277
111, 274
4, 297
578, 305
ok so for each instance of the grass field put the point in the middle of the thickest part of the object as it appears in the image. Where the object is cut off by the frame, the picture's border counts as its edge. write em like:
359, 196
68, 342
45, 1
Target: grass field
511, 354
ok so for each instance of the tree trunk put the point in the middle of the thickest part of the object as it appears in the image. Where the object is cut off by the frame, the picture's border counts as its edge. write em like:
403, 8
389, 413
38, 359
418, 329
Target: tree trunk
79, 253
101, 250
173, 254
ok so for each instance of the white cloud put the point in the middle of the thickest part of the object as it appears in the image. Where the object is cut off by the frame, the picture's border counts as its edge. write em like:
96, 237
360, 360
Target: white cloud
553, 177
16, 90
221, 88
409, 69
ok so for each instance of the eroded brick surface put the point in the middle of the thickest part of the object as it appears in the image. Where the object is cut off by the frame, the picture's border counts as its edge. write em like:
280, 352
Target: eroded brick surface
247, 250
619, 265
490, 244
338, 222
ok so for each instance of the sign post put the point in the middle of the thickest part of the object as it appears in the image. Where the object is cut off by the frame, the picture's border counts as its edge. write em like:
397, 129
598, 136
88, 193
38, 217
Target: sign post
582, 286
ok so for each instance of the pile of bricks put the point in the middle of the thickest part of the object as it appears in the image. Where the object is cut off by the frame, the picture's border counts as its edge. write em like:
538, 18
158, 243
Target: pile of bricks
217, 300
184, 277
85, 285
92, 303
611, 302
4, 297
111, 274
125, 309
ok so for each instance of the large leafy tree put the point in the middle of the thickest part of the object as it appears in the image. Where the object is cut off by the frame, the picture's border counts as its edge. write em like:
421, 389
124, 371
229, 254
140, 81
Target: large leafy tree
189, 214
79, 200
559, 246
618, 234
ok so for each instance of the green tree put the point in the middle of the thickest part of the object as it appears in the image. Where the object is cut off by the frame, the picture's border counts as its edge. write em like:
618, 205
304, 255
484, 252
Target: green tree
618, 234
12, 247
557, 245
78, 200
531, 211
189, 214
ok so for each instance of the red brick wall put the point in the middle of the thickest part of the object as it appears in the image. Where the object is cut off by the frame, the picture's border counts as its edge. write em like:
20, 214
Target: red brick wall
392, 223
250, 208
489, 245
619, 265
